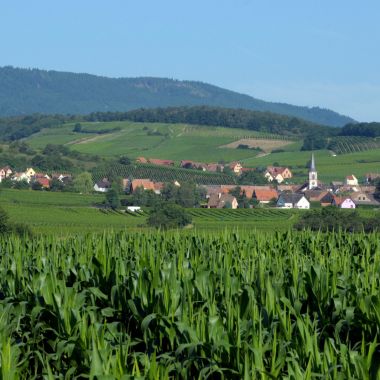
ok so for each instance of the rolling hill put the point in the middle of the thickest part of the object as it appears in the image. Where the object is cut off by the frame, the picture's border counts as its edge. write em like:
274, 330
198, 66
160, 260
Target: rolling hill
26, 91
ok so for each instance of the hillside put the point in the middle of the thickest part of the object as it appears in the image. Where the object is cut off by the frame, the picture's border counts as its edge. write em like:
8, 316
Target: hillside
24, 91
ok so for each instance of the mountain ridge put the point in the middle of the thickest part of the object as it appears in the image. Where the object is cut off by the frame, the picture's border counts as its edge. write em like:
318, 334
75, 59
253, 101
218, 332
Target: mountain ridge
25, 91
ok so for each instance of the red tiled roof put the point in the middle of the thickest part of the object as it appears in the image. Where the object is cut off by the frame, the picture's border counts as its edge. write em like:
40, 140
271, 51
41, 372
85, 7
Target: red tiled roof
265, 195
156, 161
147, 184
44, 182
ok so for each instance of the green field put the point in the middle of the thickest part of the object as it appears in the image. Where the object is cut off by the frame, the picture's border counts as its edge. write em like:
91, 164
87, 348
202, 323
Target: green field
68, 213
176, 141
162, 306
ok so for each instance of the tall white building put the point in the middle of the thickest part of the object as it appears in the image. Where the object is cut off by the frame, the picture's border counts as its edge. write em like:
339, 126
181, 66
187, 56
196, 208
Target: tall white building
313, 175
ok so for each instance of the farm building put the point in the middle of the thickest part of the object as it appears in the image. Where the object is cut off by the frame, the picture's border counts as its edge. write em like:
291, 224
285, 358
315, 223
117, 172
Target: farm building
156, 161
364, 199
222, 201
102, 186
5, 172
343, 202
351, 180
265, 195
145, 183
287, 200
277, 173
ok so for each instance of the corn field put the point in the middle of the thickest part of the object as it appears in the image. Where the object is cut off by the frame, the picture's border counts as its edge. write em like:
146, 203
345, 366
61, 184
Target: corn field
166, 305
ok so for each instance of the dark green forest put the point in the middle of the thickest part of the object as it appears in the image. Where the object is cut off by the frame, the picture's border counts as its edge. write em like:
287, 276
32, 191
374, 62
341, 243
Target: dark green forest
28, 91
361, 129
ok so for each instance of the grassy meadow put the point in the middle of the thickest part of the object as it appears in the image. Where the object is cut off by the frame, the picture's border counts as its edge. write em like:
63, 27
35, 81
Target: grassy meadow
172, 141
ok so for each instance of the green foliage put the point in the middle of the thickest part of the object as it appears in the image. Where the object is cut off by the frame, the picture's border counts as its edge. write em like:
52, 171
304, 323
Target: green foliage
112, 198
69, 93
333, 219
77, 127
168, 305
82, 183
167, 216
187, 195
361, 129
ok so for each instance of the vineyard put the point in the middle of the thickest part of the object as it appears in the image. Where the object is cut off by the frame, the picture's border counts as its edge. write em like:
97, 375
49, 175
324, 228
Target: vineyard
156, 305
162, 174
240, 214
352, 144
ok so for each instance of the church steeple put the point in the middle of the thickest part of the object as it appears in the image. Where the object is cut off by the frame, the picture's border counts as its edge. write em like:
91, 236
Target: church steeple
313, 175
312, 166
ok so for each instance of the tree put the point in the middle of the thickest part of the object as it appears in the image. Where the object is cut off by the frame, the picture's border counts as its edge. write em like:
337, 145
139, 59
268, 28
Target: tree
82, 183
168, 216
112, 198
56, 185
77, 127
124, 160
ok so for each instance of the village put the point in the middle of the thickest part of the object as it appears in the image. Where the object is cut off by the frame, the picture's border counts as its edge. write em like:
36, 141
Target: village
278, 192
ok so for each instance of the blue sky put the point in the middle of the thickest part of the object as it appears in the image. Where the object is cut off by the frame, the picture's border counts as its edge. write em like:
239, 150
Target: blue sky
310, 52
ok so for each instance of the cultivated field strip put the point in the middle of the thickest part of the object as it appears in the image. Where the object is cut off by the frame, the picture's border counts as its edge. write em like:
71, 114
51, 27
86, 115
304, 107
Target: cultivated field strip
163, 174
159, 305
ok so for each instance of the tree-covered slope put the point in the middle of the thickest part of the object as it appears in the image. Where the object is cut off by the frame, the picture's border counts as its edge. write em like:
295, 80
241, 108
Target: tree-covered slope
24, 91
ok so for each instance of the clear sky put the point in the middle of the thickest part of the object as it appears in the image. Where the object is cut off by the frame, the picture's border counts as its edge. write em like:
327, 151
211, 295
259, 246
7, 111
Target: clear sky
306, 52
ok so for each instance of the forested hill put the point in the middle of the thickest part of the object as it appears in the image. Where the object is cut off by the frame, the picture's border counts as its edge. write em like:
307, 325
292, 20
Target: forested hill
25, 91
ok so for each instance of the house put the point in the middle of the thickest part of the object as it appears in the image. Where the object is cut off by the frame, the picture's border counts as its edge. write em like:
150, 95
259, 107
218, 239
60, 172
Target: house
364, 199
156, 161
187, 164
343, 202
367, 189
29, 172
62, 177
141, 160
264, 196
291, 200
277, 173
214, 168
236, 167
315, 195
5, 172
41, 175
327, 200
102, 186
20, 177
351, 180
336, 185
222, 201
43, 181
145, 184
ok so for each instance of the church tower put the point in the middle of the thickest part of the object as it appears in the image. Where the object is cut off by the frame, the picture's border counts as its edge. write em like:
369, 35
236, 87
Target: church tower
313, 175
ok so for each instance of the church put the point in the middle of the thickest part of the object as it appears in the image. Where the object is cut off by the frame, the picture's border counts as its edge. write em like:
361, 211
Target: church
313, 175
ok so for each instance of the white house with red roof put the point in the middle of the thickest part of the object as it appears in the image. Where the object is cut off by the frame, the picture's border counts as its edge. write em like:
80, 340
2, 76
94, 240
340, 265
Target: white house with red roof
351, 180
